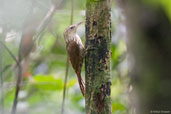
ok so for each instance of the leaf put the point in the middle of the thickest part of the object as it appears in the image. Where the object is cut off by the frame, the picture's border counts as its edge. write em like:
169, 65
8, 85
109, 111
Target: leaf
71, 83
118, 107
48, 82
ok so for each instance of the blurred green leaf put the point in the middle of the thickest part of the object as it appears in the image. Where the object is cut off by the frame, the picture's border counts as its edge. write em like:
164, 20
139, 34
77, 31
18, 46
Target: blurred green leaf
48, 82
165, 3
115, 56
71, 83
117, 89
117, 53
9, 96
118, 108
47, 44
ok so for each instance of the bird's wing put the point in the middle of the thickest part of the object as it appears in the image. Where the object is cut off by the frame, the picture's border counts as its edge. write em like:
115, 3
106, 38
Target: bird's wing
75, 55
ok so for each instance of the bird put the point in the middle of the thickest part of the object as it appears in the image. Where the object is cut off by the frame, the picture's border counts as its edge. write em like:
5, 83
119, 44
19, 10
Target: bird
76, 51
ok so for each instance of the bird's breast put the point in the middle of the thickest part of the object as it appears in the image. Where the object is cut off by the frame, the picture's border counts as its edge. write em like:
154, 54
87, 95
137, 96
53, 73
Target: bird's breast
74, 39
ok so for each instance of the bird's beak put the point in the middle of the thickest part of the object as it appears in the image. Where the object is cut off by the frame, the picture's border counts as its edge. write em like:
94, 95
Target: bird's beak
79, 24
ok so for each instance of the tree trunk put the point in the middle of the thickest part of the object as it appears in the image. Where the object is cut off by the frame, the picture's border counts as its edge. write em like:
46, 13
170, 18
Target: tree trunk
97, 60
149, 45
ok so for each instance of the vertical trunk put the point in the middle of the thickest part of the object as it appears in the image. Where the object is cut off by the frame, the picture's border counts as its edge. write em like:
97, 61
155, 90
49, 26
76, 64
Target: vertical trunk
149, 44
97, 60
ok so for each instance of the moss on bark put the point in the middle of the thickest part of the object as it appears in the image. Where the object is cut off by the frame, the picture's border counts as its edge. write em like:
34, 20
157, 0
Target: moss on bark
97, 60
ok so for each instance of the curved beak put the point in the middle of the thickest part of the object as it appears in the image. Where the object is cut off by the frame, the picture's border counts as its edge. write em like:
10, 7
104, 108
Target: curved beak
79, 24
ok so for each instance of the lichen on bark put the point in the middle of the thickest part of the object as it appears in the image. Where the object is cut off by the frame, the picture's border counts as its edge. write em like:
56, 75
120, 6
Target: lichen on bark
97, 60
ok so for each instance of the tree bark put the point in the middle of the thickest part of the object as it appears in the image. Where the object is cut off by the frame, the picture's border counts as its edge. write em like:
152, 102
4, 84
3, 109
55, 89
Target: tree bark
149, 45
97, 59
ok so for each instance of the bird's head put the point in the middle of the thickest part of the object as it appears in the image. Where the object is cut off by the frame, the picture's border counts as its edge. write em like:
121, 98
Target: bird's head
71, 30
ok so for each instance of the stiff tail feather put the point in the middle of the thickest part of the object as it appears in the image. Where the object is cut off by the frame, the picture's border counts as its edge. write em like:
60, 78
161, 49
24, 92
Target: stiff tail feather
81, 83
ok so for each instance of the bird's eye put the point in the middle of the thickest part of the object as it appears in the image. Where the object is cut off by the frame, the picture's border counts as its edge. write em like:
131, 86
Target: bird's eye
72, 27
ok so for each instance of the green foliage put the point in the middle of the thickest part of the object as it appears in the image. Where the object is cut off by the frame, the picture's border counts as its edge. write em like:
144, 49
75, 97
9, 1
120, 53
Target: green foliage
47, 44
118, 108
166, 4
47, 82
118, 51
45, 89
9, 96
117, 95
71, 83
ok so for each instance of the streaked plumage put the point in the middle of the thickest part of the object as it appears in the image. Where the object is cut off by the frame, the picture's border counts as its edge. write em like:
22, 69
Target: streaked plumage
75, 50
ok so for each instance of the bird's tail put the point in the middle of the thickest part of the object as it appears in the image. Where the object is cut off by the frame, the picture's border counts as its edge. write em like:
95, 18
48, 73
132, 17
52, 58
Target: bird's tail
81, 83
